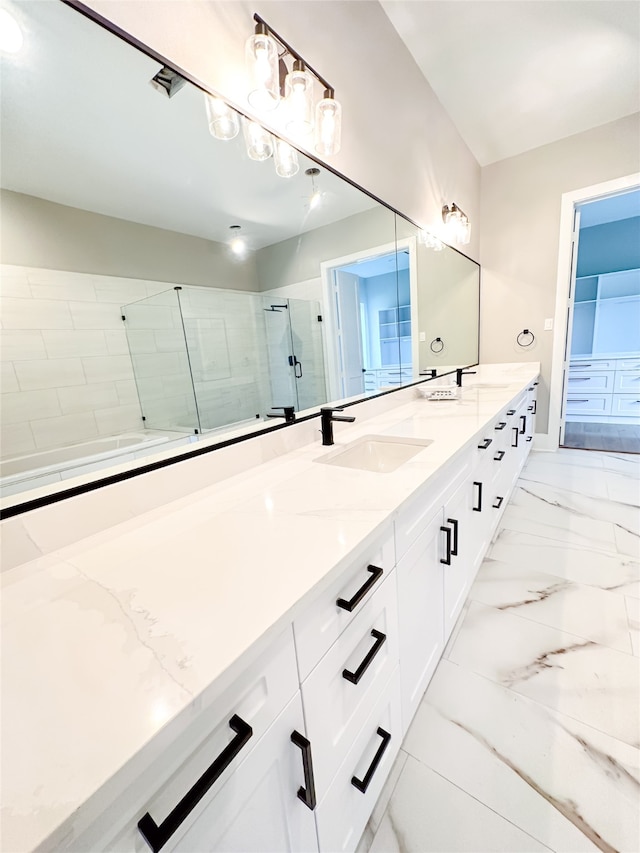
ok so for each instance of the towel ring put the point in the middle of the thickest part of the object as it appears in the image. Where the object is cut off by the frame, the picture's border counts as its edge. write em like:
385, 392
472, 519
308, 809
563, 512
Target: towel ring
436, 341
524, 334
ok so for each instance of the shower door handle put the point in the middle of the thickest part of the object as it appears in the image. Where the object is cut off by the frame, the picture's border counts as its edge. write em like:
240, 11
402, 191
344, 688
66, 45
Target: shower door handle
293, 362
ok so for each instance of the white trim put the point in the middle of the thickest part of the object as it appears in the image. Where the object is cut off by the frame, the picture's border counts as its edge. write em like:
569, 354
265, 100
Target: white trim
568, 203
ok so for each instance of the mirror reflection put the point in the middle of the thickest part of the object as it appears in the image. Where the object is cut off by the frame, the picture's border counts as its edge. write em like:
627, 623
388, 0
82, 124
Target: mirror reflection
160, 285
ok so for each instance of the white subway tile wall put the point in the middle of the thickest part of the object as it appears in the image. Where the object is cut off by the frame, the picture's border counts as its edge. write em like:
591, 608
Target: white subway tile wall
66, 375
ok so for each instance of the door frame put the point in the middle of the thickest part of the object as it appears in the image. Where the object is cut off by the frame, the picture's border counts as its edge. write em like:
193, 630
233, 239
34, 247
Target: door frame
569, 200
330, 323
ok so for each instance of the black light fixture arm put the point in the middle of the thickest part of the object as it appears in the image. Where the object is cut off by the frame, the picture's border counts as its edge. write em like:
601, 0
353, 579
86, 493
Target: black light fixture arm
265, 28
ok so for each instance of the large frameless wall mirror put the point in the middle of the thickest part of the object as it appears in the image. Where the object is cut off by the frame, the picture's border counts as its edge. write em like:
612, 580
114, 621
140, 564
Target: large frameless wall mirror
162, 286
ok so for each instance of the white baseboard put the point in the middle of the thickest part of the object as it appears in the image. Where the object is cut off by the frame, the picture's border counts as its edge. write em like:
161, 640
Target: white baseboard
545, 442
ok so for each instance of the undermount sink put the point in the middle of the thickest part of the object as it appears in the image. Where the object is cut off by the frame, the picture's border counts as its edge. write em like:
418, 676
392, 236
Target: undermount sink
379, 453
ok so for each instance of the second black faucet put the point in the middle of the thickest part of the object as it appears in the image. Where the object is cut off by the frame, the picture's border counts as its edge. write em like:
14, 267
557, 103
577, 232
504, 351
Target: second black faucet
327, 418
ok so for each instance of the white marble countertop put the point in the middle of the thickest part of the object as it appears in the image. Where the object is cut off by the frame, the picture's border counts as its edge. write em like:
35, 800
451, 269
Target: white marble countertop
109, 638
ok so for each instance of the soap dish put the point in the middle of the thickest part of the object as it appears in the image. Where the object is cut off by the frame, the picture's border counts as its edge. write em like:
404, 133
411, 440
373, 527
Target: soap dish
439, 393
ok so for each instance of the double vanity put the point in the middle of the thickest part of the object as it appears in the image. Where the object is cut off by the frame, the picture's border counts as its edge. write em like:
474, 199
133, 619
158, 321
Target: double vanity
236, 669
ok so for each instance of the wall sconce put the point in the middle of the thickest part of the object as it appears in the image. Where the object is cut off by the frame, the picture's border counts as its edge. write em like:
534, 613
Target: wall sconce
457, 223
265, 51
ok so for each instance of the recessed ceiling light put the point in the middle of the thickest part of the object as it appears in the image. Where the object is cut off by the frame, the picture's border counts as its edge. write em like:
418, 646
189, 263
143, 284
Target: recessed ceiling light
11, 37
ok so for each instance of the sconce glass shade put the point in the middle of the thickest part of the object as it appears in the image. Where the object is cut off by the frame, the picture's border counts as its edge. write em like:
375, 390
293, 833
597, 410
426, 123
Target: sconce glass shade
298, 89
222, 119
259, 141
286, 158
464, 231
328, 125
261, 53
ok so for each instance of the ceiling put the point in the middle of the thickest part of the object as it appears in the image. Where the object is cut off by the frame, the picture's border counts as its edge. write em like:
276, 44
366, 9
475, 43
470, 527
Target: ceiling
517, 74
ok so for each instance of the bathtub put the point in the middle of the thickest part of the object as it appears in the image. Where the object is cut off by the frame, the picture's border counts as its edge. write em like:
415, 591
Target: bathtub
50, 466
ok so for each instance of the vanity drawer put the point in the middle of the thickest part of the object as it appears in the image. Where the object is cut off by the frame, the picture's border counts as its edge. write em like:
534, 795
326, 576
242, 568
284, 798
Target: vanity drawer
345, 810
627, 382
628, 363
591, 365
320, 625
338, 695
598, 381
591, 404
627, 405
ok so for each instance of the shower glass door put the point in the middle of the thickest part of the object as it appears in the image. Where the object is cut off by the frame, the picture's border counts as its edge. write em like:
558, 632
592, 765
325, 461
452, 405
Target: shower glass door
306, 339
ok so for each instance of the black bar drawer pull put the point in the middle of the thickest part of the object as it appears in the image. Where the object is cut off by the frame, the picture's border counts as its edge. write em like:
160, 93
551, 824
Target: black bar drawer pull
515, 436
530, 437
537, 383
498, 503
523, 424
499, 456
501, 425
530, 408
376, 574
454, 547
363, 784
478, 508
447, 532
485, 444
354, 677
157, 836
535, 406
308, 793
511, 411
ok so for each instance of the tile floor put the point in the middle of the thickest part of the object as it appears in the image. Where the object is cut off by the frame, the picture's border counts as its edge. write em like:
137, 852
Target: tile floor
528, 737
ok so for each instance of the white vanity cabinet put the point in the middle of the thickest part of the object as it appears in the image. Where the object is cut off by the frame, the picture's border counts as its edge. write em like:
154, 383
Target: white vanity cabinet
603, 390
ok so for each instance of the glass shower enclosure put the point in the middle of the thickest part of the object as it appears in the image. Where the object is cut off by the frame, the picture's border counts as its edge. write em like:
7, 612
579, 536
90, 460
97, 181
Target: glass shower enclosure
205, 358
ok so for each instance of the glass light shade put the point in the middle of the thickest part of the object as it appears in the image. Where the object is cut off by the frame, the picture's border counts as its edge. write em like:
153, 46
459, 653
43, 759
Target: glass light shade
286, 158
259, 141
223, 120
464, 231
328, 126
298, 89
261, 52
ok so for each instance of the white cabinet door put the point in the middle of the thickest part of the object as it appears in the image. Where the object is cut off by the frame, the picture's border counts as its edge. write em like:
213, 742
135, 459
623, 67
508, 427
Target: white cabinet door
259, 808
419, 575
461, 557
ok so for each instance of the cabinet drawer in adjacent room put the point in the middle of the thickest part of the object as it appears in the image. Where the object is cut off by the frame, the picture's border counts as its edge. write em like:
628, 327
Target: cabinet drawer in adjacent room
339, 693
591, 365
593, 404
627, 382
343, 813
627, 405
597, 381
628, 363
320, 625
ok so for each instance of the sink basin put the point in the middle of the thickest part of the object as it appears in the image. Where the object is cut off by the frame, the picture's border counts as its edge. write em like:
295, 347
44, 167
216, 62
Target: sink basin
379, 453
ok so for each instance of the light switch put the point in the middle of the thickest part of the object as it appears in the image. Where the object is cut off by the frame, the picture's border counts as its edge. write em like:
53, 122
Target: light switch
423, 336
548, 324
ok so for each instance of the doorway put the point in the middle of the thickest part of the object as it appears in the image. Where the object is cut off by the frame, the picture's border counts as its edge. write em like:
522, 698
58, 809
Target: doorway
601, 390
368, 336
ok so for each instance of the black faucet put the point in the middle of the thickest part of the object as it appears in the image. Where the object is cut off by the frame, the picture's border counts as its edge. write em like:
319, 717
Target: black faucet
432, 373
288, 413
327, 418
460, 372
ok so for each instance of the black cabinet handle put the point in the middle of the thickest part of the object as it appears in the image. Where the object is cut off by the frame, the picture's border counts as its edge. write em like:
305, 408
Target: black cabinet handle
157, 836
354, 677
454, 547
485, 444
363, 784
498, 503
523, 424
501, 425
307, 793
530, 408
537, 383
447, 532
530, 438
535, 406
515, 435
499, 456
511, 411
376, 574
479, 507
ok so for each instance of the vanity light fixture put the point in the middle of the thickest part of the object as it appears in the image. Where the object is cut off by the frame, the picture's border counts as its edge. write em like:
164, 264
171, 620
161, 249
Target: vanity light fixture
457, 223
259, 141
286, 158
270, 82
315, 199
223, 119
431, 241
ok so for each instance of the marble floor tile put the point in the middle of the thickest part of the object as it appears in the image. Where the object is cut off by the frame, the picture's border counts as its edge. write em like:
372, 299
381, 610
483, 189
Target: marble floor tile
582, 610
572, 478
571, 787
569, 456
623, 488
609, 571
427, 814
633, 616
591, 683
621, 463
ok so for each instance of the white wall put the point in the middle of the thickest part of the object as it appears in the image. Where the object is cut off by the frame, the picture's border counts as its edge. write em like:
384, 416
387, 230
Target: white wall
397, 142
520, 222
